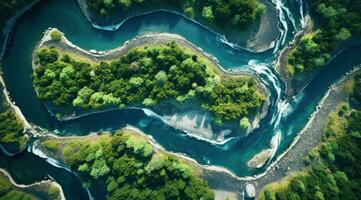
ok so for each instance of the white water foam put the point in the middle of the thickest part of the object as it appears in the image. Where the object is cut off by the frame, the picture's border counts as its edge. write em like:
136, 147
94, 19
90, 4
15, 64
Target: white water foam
152, 114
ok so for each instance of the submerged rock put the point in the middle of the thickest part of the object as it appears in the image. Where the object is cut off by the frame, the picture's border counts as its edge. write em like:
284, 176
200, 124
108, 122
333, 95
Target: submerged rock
250, 191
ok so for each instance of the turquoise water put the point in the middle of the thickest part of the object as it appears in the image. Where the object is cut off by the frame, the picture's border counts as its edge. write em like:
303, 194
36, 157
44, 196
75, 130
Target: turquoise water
284, 121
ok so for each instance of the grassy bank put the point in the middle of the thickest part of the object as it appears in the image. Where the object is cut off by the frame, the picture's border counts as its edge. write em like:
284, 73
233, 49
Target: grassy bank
332, 168
126, 166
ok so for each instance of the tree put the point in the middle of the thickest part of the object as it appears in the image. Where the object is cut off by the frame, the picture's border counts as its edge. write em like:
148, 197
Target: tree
189, 12
319, 196
161, 77
140, 146
244, 123
207, 13
56, 35
99, 168
343, 35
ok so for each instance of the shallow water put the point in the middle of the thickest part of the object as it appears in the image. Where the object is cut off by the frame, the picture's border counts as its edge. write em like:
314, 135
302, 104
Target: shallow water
284, 121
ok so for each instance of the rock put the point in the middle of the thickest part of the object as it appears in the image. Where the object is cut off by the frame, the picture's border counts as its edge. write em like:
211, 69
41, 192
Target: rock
93, 51
250, 191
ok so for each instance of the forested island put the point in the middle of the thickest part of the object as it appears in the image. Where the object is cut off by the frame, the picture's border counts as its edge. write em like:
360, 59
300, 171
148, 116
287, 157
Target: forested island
125, 165
333, 167
144, 75
335, 23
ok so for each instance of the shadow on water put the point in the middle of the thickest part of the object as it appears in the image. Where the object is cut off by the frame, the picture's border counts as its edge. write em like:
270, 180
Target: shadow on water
26, 168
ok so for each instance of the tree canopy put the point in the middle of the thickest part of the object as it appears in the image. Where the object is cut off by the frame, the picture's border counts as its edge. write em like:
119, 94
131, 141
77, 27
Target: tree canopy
144, 75
127, 166
222, 13
338, 21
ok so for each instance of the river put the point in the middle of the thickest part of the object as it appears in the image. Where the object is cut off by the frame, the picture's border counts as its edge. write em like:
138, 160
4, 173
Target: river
284, 121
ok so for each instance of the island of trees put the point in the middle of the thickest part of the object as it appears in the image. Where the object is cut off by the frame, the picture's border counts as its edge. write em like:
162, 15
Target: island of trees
333, 168
145, 76
126, 166
337, 22
222, 13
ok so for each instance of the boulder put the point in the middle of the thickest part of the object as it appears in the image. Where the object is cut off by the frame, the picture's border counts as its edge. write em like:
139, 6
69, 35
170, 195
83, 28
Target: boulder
250, 191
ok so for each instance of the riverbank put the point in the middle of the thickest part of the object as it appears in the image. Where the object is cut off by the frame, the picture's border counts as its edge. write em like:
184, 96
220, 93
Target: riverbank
310, 136
43, 190
257, 39
292, 158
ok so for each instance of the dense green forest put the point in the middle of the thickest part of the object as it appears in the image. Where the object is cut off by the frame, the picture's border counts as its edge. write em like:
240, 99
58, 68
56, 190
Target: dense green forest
337, 21
334, 167
224, 13
126, 166
148, 76
11, 131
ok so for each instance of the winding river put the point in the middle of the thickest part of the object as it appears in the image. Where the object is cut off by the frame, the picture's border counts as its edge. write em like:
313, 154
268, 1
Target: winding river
285, 119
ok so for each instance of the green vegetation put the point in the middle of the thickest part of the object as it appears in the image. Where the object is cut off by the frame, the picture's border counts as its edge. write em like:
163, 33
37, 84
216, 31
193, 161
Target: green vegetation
9, 191
148, 76
222, 13
338, 20
56, 35
334, 167
11, 131
126, 165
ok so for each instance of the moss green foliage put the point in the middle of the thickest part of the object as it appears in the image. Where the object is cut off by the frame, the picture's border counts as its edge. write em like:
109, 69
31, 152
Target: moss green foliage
56, 35
127, 166
8, 191
334, 166
144, 75
224, 13
11, 130
339, 20
244, 123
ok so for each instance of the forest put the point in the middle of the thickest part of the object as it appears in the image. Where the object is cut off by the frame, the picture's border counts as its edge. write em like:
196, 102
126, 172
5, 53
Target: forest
337, 21
224, 13
333, 169
145, 76
11, 131
125, 166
